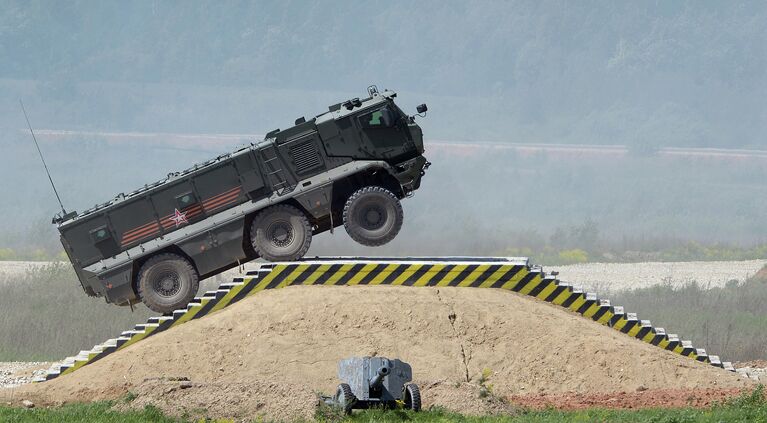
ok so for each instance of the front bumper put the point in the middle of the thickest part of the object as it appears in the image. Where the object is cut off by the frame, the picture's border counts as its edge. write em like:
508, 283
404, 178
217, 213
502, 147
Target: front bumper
409, 173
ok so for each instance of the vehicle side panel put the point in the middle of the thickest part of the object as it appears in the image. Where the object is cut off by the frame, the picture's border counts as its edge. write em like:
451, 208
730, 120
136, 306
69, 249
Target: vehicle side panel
251, 177
216, 248
84, 248
303, 155
133, 222
219, 188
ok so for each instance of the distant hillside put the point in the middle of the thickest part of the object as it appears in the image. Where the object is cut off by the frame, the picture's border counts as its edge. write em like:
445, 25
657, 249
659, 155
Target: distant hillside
644, 74
473, 200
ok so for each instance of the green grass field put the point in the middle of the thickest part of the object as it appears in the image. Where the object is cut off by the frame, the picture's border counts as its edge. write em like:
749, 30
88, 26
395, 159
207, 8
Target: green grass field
730, 321
45, 315
99, 412
749, 407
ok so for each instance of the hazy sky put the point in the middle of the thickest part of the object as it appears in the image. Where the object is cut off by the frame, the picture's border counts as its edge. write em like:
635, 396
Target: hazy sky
667, 73
643, 74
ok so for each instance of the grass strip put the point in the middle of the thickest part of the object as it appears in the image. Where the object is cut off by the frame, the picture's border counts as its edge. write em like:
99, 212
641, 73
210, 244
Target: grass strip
748, 407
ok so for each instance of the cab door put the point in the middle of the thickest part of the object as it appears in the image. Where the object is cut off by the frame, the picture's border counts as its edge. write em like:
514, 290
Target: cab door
384, 131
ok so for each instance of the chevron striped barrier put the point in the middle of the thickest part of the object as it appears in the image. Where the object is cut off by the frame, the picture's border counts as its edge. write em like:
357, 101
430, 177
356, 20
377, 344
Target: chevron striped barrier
513, 274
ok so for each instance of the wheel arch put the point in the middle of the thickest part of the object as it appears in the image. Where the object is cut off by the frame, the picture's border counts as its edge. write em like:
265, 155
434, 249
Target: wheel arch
266, 250
247, 246
345, 187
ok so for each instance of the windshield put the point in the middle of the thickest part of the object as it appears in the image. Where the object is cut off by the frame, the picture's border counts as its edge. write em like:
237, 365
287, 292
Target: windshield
379, 118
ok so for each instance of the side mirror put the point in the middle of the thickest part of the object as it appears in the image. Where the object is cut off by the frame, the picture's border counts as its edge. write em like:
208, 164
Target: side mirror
421, 108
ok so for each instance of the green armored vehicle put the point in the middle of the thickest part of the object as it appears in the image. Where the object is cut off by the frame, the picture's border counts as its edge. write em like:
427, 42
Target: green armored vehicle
350, 165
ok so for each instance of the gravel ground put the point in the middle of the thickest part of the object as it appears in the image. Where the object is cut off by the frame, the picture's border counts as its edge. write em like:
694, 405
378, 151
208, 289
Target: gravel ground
607, 277
16, 373
753, 373
754, 370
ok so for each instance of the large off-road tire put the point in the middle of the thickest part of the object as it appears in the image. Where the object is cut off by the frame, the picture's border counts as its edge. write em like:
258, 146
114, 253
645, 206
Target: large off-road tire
373, 216
167, 282
411, 396
281, 233
345, 398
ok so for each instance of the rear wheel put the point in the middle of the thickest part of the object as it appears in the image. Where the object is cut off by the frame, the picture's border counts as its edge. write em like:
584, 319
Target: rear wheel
281, 233
373, 216
167, 282
345, 398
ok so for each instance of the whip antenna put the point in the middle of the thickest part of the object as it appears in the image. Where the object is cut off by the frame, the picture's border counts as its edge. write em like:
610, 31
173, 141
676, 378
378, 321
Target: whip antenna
63, 212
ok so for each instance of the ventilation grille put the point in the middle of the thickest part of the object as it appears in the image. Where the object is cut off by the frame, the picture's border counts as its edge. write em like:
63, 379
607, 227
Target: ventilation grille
305, 156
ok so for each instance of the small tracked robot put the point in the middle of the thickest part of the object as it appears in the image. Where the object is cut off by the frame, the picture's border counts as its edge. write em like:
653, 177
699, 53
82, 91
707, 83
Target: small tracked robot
369, 382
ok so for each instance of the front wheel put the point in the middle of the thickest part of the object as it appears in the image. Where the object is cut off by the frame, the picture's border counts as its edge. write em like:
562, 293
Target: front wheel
373, 216
167, 282
281, 233
412, 397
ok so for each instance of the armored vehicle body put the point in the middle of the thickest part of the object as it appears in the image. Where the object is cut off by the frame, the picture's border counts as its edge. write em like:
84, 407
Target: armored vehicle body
349, 166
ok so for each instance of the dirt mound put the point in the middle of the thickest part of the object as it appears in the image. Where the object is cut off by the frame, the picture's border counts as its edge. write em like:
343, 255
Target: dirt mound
465, 398
294, 337
231, 401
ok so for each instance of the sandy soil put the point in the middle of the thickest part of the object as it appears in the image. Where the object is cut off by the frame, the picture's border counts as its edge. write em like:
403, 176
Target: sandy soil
239, 401
606, 277
290, 340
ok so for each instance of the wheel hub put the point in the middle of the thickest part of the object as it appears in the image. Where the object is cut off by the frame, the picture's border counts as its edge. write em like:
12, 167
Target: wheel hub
167, 285
281, 234
372, 217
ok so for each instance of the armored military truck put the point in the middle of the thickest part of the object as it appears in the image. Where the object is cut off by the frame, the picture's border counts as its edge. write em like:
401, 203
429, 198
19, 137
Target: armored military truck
348, 166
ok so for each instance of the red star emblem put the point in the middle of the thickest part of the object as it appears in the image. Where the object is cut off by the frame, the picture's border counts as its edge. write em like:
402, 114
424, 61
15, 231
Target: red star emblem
179, 218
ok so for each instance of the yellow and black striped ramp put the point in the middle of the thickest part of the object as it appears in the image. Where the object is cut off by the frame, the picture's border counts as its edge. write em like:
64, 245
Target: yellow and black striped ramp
514, 274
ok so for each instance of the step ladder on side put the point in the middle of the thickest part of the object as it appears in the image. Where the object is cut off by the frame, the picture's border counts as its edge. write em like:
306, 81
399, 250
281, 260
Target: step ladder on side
275, 174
